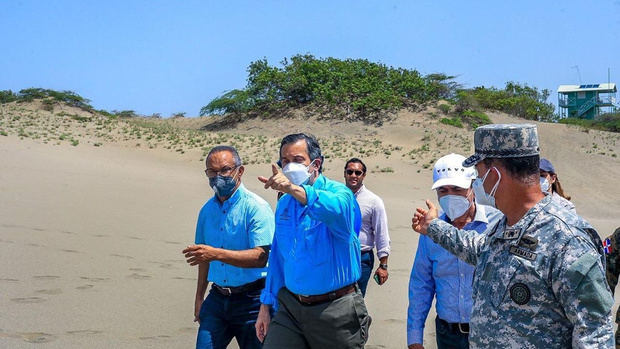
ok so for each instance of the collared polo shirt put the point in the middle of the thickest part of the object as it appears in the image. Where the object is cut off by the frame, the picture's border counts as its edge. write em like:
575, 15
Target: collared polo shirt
242, 222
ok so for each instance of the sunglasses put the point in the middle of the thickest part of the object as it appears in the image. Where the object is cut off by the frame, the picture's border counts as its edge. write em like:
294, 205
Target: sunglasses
357, 172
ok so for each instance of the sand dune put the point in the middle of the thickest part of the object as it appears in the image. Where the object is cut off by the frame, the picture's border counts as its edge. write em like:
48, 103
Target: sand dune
90, 236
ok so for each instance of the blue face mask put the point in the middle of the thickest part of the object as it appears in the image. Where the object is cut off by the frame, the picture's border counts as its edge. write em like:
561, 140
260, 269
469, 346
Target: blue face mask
544, 184
223, 186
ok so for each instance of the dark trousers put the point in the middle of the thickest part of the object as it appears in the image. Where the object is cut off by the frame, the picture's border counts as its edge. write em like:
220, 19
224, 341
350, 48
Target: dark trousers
224, 317
368, 263
450, 338
340, 324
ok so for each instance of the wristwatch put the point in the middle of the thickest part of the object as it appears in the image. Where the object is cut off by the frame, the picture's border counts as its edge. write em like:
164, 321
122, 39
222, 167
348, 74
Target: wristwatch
383, 266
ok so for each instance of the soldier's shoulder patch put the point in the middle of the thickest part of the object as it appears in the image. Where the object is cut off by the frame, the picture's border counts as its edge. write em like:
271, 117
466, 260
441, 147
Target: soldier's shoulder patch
520, 293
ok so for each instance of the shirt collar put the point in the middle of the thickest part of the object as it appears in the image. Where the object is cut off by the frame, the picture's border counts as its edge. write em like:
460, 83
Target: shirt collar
319, 183
360, 190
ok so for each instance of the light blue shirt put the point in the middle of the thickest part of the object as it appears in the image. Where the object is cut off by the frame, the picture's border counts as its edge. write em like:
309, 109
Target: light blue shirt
437, 272
316, 248
242, 222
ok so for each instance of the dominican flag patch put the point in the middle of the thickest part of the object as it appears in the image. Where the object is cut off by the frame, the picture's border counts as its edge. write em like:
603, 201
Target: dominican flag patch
607, 246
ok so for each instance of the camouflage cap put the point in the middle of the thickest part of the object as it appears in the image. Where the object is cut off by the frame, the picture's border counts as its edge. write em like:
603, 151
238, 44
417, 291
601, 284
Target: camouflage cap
504, 141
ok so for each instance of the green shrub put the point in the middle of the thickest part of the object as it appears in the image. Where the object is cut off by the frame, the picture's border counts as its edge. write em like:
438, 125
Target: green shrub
455, 121
519, 100
355, 88
49, 96
444, 108
7, 96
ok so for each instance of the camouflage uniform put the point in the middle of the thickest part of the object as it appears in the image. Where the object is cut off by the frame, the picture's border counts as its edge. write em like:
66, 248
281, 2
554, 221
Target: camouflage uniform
539, 283
612, 254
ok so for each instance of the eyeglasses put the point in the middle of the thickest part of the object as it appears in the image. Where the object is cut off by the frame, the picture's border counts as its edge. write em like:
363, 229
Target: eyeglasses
357, 172
226, 171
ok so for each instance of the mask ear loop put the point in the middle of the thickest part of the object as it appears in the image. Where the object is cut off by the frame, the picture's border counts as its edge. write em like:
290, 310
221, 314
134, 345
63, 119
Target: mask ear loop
494, 190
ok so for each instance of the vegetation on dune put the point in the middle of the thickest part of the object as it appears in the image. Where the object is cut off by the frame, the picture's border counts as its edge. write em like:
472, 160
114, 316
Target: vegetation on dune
354, 89
605, 122
357, 89
519, 100
49, 97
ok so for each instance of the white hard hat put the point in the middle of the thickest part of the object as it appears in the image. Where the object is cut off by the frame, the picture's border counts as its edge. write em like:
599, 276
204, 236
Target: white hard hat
449, 170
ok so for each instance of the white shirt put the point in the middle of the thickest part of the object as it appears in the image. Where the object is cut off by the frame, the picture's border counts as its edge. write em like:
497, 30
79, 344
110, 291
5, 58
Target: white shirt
374, 231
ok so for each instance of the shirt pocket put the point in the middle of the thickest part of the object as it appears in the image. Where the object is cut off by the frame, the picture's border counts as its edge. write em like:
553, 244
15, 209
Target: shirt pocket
317, 244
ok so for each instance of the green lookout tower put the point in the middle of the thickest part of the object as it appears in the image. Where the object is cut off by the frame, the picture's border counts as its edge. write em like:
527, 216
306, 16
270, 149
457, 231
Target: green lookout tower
586, 101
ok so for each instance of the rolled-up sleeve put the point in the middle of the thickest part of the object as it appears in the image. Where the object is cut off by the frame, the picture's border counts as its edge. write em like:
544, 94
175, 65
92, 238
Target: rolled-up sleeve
380, 226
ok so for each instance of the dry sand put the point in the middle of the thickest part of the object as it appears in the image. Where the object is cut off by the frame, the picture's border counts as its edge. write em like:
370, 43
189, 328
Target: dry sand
90, 236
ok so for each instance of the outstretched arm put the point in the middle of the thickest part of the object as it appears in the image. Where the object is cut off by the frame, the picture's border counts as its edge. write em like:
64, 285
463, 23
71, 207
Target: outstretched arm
464, 244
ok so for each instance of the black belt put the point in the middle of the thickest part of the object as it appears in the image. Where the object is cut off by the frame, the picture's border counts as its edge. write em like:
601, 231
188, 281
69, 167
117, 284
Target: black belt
369, 251
250, 286
456, 327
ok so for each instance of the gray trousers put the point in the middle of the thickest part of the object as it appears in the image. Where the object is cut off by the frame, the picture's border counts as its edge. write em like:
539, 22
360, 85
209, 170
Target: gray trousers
341, 323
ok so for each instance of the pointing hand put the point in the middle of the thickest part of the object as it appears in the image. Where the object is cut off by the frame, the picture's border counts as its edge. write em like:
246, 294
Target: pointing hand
277, 181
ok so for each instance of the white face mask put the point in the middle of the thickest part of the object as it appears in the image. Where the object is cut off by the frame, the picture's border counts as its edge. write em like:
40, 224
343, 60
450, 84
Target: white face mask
297, 173
481, 196
544, 184
454, 206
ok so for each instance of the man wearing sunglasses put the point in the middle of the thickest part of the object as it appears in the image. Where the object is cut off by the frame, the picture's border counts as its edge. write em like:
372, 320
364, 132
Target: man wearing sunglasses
374, 231
233, 236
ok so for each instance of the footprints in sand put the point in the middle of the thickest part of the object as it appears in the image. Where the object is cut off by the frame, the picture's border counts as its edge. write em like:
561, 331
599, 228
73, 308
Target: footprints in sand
52, 291
28, 300
46, 277
85, 287
121, 256
30, 337
162, 336
43, 337
139, 276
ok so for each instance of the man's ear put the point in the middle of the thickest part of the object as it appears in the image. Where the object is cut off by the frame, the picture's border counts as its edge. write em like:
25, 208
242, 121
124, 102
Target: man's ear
241, 170
317, 163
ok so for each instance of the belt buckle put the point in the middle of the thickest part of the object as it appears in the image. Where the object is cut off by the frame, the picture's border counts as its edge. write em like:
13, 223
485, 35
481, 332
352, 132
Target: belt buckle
299, 298
227, 290
461, 329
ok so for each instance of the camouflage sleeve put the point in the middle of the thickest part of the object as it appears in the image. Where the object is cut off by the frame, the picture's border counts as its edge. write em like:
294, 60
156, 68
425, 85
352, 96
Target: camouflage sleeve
464, 244
578, 280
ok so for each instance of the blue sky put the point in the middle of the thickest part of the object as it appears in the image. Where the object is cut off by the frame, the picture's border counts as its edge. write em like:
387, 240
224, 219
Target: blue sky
175, 56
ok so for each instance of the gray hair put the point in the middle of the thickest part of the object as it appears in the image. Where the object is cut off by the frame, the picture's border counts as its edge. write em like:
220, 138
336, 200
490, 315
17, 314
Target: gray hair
227, 148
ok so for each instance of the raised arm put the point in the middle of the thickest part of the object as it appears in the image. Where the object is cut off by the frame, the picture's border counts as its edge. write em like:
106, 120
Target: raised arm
464, 244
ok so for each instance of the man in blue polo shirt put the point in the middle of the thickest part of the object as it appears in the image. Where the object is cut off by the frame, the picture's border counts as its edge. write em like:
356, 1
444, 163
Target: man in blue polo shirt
233, 236
315, 258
